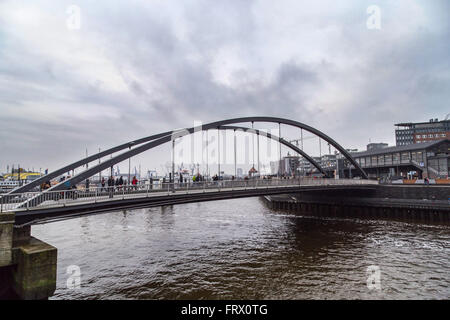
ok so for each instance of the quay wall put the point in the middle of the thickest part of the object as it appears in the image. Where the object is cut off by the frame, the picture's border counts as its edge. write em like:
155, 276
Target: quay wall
406, 203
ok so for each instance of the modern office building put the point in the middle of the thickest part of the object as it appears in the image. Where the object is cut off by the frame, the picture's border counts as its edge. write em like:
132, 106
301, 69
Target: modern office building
419, 132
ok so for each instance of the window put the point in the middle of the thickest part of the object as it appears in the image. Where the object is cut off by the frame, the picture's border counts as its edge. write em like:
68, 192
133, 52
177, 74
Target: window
388, 159
405, 157
396, 157
374, 160
419, 156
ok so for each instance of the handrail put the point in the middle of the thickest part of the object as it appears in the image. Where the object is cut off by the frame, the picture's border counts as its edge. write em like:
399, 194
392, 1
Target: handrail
29, 200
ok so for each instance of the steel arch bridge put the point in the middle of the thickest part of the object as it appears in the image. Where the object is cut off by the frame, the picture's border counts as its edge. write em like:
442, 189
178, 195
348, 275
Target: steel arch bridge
141, 145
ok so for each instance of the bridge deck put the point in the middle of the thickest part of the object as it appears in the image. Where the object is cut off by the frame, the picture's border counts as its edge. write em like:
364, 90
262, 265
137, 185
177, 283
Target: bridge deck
54, 205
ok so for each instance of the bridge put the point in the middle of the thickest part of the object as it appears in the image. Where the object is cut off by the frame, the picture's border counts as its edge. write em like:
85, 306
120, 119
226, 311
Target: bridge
36, 207
29, 264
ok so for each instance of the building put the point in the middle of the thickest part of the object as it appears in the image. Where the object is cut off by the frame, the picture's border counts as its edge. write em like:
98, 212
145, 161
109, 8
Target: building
409, 133
328, 161
380, 145
288, 166
427, 159
252, 172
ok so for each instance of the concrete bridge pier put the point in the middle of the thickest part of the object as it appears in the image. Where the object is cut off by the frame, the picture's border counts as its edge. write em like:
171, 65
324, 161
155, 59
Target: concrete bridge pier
27, 264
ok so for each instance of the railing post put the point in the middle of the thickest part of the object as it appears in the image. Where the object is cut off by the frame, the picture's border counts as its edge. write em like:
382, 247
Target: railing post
1, 204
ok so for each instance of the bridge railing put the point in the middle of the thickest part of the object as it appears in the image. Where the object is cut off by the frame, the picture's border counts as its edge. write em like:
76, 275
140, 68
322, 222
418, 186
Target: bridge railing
29, 200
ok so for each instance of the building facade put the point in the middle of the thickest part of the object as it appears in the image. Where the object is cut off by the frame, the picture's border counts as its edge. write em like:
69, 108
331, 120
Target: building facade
379, 145
286, 167
409, 133
428, 159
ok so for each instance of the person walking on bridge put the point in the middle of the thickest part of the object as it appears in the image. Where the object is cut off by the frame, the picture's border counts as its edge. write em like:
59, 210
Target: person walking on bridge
120, 182
135, 182
111, 186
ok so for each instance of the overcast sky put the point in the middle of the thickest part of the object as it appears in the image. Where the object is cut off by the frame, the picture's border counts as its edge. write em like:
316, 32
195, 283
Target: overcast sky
135, 68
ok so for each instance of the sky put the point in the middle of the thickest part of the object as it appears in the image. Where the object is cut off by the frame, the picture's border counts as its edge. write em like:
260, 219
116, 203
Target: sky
77, 75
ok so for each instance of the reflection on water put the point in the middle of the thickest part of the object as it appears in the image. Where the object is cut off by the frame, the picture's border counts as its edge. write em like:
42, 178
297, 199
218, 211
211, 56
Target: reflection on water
239, 249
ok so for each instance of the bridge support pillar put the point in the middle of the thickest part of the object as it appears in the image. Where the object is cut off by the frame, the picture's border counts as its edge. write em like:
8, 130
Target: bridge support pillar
28, 265
6, 238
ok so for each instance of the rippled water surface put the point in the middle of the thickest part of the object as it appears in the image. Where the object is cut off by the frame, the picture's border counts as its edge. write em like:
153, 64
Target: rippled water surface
239, 249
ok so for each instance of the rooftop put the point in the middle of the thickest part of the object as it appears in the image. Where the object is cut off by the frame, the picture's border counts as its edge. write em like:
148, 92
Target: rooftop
409, 147
409, 124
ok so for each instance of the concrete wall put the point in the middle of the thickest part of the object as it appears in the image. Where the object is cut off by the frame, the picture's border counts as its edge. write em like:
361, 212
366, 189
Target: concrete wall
6, 238
431, 192
419, 192
27, 265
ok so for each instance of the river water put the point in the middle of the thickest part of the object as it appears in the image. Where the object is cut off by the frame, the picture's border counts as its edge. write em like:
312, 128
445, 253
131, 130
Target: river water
240, 249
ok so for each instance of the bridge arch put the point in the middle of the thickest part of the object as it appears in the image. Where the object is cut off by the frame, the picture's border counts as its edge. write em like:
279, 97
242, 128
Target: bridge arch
176, 134
281, 140
164, 137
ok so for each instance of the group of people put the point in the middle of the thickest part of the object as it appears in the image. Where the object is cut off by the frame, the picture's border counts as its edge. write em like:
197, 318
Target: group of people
46, 185
198, 178
117, 183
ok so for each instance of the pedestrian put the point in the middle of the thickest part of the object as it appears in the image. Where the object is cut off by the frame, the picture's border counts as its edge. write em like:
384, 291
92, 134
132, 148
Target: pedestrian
103, 184
121, 182
134, 182
111, 186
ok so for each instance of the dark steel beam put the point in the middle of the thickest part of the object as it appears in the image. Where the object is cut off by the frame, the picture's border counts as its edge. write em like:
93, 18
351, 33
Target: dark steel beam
211, 125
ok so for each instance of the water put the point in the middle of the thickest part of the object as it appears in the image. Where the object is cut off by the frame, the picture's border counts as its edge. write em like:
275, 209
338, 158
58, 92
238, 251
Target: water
240, 249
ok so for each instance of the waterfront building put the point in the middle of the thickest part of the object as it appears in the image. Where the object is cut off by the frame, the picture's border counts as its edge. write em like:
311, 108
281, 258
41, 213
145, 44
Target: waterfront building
427, 159
419, 132
379, 145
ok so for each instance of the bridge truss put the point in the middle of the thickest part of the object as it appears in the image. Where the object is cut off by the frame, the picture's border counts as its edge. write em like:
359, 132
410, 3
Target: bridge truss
139, 146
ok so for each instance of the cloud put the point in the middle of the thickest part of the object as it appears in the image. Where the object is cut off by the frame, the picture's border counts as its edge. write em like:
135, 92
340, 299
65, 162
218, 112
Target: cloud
142, 67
